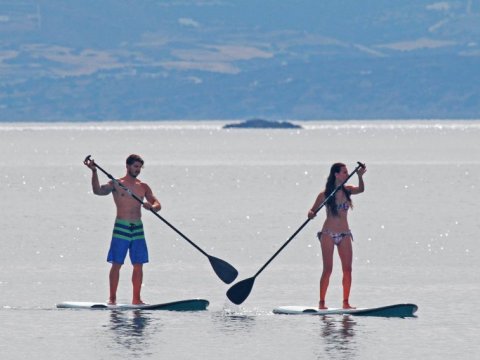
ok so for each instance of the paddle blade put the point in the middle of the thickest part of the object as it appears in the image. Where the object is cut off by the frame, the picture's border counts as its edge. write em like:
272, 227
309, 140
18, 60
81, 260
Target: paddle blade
226, 272
240, 291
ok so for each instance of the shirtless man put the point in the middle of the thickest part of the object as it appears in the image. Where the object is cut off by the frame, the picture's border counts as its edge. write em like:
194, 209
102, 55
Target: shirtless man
128, 235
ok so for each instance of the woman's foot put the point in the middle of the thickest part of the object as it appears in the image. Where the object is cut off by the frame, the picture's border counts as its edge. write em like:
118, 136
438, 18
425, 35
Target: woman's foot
112, 301
346, 305
321, 305
138, 302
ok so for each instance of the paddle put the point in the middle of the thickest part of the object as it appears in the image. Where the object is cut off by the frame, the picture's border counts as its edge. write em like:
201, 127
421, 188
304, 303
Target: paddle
226, 272
240, 291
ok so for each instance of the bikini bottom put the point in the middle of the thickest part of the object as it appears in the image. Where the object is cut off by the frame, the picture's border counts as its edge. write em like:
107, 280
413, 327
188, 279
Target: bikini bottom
337, 237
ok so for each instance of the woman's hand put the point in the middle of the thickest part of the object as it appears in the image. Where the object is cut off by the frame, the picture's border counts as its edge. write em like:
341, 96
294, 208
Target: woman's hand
362, 171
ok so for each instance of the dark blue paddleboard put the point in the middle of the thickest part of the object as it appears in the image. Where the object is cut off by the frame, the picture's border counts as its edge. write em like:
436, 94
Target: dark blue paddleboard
397, 310
182, 305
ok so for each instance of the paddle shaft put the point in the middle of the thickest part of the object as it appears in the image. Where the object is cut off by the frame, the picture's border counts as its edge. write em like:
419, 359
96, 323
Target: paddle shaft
130, 192
360, 165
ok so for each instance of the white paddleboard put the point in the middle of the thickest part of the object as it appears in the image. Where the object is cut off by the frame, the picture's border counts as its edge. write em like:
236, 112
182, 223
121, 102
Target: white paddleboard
182, 305
396, 310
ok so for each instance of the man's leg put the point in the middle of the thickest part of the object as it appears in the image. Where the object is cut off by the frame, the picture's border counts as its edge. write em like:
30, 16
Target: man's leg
137, 278
114, 278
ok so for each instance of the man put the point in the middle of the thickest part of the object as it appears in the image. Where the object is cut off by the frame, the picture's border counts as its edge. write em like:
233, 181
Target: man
128, 235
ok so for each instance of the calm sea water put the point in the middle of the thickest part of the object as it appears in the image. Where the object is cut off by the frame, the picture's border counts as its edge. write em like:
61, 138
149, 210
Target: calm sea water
239, 195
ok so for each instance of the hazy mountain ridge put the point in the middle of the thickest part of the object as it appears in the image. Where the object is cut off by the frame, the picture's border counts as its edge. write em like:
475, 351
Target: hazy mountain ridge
229, 59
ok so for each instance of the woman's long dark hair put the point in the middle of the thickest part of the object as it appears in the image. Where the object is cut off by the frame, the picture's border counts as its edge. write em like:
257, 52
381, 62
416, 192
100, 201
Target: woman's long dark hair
330, 187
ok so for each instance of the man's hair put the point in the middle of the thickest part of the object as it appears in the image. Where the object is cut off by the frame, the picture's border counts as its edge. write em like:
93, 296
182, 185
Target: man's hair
134, 158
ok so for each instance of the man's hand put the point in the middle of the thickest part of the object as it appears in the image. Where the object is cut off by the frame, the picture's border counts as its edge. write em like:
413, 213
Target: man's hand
148, 206
90, 163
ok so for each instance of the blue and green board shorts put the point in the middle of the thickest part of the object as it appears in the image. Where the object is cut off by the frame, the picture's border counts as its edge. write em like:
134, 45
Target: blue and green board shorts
128, 236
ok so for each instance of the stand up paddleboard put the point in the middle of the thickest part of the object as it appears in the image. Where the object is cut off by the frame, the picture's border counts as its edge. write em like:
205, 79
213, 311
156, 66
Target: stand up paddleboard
182, 305
397, 310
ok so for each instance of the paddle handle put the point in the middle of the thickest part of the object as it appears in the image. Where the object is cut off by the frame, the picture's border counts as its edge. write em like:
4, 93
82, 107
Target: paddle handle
132, 194
360, 165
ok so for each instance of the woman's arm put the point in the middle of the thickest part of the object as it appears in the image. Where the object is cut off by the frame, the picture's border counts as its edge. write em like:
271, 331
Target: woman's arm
320, 199
361, 185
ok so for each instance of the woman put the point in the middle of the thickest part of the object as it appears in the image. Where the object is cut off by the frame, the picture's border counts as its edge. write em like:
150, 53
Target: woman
335, 230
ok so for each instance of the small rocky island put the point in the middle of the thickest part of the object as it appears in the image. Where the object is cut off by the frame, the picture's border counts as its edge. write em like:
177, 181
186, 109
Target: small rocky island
262, 124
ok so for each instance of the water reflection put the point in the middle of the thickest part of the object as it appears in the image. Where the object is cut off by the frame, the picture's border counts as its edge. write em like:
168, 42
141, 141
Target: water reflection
338, 334
131, 331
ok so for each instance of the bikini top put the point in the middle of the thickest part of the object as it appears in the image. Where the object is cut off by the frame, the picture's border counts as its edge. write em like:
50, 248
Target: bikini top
343, 206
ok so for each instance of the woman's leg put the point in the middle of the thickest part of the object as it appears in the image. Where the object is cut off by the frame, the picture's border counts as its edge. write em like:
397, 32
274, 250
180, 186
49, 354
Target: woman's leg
328, 247
345, 251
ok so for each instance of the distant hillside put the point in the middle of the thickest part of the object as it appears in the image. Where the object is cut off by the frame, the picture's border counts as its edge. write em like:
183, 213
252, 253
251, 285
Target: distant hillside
199, 59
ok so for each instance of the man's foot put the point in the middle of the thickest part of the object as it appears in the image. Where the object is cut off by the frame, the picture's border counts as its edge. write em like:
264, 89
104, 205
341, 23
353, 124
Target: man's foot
321, 305
112, 301
346, 305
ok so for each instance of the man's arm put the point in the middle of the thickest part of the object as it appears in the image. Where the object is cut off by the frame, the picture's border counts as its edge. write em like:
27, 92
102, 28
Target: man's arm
100, 189
152, 202
96, 187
